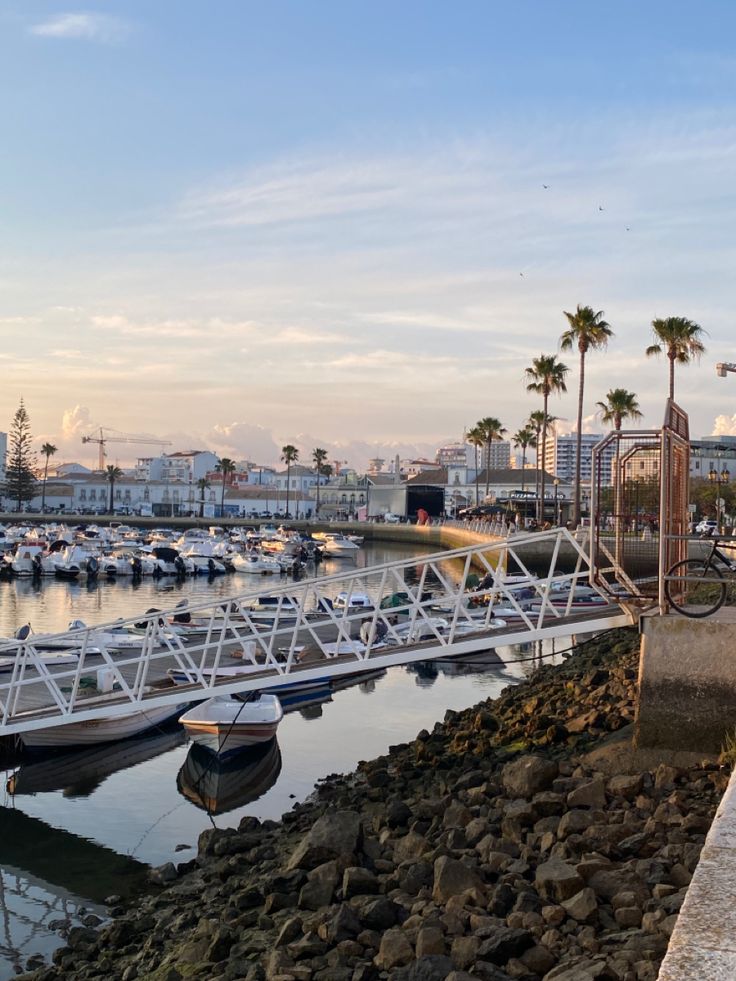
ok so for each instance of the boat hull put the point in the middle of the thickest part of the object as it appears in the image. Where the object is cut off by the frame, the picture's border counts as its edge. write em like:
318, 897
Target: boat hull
91, 732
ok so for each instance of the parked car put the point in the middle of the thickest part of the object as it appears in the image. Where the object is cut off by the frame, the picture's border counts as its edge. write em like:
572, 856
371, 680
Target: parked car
706, 527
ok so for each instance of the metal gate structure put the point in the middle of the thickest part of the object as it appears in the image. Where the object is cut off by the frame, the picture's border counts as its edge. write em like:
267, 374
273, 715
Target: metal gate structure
639, 508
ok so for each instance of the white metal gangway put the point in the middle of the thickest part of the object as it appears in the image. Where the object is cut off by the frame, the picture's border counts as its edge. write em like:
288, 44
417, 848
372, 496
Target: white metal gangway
419, 608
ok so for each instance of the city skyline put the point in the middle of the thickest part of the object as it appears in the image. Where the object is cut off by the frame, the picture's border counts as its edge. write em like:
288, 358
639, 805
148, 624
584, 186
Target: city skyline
356, 229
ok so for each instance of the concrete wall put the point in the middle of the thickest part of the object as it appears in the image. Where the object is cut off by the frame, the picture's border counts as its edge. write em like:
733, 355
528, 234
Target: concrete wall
687, 682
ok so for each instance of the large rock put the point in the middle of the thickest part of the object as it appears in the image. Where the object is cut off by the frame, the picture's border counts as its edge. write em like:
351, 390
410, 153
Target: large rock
503, 944
334, 835
452, 877
528, 775
558, 881
395, 950
582, 906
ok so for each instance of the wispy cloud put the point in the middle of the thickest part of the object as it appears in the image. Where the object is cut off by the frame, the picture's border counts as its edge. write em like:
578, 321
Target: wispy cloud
102, 28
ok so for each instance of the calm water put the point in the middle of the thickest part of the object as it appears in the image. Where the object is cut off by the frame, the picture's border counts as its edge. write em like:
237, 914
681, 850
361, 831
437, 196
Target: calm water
83, 826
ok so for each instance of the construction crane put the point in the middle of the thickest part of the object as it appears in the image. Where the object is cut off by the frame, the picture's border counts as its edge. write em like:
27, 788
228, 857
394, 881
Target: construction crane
723, 368
102, 440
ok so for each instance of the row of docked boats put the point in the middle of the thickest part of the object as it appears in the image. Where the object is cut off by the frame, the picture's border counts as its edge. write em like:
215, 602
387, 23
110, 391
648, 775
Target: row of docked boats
120, 551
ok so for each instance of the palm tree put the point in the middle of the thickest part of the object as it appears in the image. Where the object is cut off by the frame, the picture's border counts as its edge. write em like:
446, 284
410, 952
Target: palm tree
680, 338
535, 422
202, 485
491, 430
112, 474
226, 467
289, 455
588, 330
546, 377
476, 439
319, 457
619, 405
524, 438
48, 450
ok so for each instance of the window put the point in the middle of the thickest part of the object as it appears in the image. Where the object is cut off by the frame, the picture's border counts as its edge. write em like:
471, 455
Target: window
118, 494
93, 495
83, 495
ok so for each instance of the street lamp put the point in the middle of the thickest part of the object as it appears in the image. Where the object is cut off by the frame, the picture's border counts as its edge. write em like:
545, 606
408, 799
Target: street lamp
556, 483
718, 477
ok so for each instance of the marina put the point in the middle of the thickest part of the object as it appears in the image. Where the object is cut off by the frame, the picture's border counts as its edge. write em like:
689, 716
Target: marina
325, 729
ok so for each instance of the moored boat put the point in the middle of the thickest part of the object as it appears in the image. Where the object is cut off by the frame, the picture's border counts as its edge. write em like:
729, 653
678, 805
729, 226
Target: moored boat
225, 723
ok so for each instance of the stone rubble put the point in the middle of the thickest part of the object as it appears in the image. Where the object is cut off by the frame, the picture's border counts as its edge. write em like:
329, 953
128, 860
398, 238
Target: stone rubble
489, 849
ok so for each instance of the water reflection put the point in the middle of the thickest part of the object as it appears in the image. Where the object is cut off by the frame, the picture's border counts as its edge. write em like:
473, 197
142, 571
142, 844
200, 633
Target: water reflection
79, 774
218, 785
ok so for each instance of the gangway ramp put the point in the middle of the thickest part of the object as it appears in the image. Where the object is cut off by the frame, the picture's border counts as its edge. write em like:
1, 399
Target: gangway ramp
420, 608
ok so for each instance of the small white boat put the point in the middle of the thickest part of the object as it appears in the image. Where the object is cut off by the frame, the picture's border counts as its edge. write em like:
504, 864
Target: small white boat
89, 732
257, 564
352, 602
336, 545
224, 724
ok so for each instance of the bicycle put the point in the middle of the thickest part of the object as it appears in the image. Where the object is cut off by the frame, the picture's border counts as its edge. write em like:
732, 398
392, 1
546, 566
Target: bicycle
699, 581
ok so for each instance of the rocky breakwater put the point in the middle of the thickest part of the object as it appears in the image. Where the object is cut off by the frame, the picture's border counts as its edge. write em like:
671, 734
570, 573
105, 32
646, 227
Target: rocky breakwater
495, 847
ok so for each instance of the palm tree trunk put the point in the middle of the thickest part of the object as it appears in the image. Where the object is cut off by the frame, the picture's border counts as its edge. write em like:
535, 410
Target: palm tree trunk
536, 466
476, 476
488, 466
544, 461
112, 485
43, 490
316, 514
523, 466
671, 356
579, 444
222, 497
288, 482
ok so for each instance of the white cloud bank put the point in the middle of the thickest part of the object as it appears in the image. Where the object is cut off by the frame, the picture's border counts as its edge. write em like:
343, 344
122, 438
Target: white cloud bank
101, 28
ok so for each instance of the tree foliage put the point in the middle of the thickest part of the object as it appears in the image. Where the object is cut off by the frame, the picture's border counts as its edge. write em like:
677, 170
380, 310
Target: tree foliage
20, 481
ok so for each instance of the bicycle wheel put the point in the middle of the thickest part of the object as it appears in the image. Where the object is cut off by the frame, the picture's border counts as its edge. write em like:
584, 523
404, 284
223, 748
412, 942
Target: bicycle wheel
694, 588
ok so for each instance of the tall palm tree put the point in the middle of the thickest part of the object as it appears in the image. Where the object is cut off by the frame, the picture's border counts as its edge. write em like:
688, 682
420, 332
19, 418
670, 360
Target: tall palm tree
524, 438
226, 467
112, 474
680, 339
48, 450
202, 485
476, 439
319, 458
546, 377
289, 455
587, 331
491, 430
619, 405
535, 422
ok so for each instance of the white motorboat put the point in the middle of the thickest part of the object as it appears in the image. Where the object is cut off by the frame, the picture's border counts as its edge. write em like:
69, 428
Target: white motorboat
217, 785
203, 558
224, 724
336, 545
256, 563
352, 602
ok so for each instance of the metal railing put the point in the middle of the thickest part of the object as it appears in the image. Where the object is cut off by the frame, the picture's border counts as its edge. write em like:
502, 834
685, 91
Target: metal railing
420, 608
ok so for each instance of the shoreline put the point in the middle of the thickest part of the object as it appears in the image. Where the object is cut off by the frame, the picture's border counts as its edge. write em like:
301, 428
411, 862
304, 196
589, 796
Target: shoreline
519, 839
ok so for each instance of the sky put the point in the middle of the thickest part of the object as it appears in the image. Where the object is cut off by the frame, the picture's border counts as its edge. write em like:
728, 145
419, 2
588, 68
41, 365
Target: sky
239, 225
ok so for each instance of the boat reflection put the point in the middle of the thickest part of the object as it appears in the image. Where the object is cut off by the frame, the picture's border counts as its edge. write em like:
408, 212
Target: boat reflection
217, 785
80, 773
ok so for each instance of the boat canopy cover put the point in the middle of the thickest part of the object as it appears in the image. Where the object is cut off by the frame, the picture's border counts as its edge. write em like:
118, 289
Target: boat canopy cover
165, 554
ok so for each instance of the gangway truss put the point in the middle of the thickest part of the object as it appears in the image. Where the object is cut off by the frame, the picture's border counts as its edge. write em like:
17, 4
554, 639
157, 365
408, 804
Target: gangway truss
428, 606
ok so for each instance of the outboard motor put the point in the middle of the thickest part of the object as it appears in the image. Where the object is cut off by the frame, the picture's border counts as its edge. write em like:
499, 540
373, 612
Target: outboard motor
137, 567
93, 567
37, 566
181, 571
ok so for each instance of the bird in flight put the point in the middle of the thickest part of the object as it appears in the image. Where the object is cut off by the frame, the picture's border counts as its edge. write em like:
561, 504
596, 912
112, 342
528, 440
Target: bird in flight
601, 208
545, 186
522, 275
628, 229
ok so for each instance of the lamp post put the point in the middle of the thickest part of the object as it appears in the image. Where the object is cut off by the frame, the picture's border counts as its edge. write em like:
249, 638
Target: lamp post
718, 477
556, 483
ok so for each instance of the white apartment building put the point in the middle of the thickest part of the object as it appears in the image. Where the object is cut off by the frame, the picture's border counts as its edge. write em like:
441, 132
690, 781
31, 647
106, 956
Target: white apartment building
186, 465
3, 454
561, 456
713, 453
